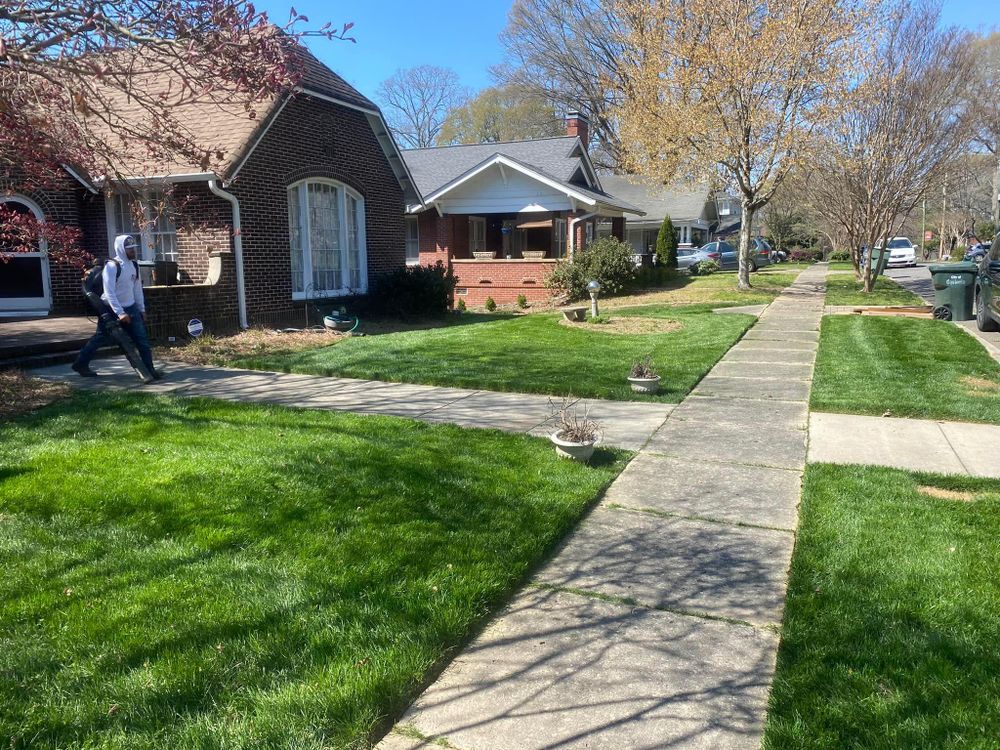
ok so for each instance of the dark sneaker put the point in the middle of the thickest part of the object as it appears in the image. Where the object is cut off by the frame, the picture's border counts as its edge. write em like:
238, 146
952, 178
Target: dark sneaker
158, 374
83, 370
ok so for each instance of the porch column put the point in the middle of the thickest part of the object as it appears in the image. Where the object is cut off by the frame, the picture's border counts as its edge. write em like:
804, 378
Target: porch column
436, 238
618, 228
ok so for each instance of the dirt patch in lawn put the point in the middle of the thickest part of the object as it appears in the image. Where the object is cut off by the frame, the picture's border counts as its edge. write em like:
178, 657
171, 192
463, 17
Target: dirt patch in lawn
20, 393
980, 386
629, 326
254, 342
943, 494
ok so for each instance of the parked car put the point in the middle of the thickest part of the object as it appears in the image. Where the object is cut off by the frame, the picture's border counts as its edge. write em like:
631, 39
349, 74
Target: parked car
685, 257
987, 296
977, 251
727, 256
901, 253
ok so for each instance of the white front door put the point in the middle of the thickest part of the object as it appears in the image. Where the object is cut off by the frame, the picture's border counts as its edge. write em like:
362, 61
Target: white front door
24, 277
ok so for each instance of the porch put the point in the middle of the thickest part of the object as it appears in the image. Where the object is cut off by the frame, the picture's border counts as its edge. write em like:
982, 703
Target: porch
506, 255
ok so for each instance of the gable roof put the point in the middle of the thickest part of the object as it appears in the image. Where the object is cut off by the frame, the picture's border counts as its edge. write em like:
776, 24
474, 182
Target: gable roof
679, 202
223, 126
560, 161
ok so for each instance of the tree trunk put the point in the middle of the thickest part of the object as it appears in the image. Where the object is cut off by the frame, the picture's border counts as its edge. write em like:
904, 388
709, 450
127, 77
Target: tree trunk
996, 198
746, 228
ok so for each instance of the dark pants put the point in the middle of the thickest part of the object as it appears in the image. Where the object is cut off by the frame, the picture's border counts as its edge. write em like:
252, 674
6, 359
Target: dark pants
136, 329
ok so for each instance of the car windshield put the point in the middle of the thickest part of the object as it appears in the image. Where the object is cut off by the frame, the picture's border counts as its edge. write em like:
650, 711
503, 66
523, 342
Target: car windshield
897, 243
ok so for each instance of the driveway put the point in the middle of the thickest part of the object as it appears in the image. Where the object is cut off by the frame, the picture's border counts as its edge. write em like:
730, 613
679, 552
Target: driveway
916, 279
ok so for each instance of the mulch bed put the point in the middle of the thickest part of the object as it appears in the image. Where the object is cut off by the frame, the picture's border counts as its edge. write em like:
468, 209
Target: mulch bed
20, 393
628, 326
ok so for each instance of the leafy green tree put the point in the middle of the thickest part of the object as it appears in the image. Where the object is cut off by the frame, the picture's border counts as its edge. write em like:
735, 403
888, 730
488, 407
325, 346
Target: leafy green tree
497, 114
666, 244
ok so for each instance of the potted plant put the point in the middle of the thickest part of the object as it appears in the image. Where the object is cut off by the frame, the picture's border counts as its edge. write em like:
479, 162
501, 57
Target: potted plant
576, 434
643, 377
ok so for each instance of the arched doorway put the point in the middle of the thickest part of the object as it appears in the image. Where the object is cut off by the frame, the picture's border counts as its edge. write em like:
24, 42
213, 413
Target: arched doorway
24, 277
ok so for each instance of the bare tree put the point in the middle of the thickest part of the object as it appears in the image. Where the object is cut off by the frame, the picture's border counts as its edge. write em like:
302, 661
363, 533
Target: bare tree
416, 102
984, 108
897, 130
732, 86
566, 52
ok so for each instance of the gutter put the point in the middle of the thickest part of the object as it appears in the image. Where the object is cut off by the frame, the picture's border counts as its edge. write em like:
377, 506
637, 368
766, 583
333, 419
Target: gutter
572, 232
241, 293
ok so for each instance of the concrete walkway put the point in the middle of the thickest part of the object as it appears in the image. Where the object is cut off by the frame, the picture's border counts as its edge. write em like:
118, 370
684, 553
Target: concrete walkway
911, 444
627, 424
656, 623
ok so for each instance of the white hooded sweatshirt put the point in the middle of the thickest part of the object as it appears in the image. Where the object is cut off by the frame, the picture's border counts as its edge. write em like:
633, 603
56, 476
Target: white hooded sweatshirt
125, 289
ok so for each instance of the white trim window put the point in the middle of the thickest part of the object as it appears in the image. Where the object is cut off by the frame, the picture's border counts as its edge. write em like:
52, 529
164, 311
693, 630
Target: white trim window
151, 223
559, 238
477, 234
412, 240
326, 221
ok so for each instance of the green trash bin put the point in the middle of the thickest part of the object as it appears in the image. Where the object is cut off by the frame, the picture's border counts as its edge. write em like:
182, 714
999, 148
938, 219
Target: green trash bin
954, 290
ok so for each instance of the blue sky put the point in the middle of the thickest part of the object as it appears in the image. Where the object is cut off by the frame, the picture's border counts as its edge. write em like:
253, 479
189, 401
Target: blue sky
462, 34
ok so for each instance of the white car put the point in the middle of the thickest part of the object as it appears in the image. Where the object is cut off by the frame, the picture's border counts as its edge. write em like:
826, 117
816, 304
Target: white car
901, 253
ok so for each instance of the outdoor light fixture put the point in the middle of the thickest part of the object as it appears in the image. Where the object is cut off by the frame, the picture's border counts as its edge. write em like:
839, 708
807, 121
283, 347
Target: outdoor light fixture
593, 287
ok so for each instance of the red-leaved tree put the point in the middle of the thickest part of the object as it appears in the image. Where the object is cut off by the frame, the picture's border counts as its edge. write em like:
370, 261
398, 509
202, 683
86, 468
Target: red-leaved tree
75, 81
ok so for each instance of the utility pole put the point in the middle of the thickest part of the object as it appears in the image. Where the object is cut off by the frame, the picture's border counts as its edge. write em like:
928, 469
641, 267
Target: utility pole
923, 230
944, 209
996, 196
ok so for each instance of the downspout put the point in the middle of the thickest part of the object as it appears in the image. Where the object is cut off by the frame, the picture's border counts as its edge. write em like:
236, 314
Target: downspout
572, 232
241, 292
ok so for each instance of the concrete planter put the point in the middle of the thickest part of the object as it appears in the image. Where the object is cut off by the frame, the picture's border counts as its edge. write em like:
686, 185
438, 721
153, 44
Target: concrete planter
533, 254
645, 385
485, 254
568, 449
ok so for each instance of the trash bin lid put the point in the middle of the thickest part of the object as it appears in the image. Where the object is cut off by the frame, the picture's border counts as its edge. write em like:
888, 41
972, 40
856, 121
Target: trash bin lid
960, 267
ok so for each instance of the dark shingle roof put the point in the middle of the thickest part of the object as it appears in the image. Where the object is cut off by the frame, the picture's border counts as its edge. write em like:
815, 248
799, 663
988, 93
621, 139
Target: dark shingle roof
433, 168
556, 158
679, 202
319, 78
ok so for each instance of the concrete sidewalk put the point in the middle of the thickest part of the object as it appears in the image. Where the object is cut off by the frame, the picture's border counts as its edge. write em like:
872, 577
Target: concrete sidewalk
911, 444
655, 625
627, 424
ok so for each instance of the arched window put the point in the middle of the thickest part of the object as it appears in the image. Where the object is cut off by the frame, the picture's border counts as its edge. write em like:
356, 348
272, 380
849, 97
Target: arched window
24, 278
326, 221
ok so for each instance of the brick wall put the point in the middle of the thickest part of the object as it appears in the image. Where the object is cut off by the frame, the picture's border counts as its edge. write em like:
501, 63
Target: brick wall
204, 227
170, 308
503, 280
62, 203
312, 138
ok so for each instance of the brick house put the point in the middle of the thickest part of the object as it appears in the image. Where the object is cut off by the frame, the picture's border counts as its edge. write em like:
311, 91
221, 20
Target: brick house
503, 214
308, 205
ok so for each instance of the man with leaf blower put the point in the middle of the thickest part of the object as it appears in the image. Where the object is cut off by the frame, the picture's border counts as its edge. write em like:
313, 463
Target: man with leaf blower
114, 290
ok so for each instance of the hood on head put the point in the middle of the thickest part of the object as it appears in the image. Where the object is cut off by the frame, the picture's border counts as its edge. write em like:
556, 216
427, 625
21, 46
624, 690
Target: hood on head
121, 242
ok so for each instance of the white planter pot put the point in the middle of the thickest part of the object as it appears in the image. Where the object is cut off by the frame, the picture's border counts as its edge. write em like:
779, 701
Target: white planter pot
645, 385
567, 449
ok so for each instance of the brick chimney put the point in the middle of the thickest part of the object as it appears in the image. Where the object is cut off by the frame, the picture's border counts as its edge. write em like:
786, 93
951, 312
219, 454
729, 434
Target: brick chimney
577, 124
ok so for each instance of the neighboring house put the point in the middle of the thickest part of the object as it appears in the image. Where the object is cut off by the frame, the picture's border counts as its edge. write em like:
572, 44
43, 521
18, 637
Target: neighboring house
309, 204
697, 212
502, 214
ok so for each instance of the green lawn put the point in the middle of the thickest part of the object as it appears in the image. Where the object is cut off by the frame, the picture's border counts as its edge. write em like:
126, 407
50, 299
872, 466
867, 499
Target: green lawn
718, 289
890, 631
197, 574
844, 290
530, 353
909, 367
